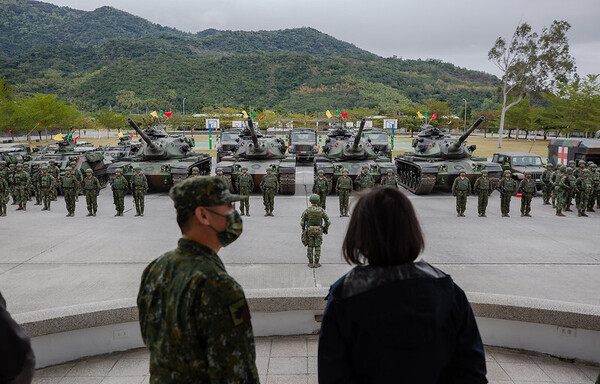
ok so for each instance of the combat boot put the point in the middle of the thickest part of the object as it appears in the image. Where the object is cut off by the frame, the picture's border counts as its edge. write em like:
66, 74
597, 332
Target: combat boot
584, 214
591, 210
527, 215
558, 213
24, 207
242, 213
90, 213
20, 208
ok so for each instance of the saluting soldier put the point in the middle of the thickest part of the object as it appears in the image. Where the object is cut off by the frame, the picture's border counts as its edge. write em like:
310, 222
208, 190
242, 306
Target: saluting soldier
528, 189
321, 187
364, 179
269, 187
70, 186
547, 187
119, 188
47, 186
389, 179
314, 223
245, 185
507, 186
139, 186
21, 182
343, 187
483, 188
4, 193
91, 187
585, 185
461, 188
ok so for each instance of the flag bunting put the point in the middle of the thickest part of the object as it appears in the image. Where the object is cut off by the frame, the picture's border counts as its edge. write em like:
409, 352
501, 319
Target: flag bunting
328, 114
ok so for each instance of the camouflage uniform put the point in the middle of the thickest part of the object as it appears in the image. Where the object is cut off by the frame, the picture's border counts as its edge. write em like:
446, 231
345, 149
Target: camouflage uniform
585, 185
553, 180
54, 171
225, 179
561, 188
11, 183
4, 194
269, 186
506, 186
389, 179
47, 185
321, 187
35, 176
571, 192
528, 189
21, 182
245, 185
139, 186
548, 186
193, 315
364, 180
483, 188
195, 172
343, 187
70, 186
91, 187
461, 188
595, 176
314, 222
119, 188
79, 176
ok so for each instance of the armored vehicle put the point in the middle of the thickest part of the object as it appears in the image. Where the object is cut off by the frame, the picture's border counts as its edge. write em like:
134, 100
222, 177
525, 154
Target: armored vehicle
123, 150
337, 133
351, 153
380, 141
303, 144
164, 159
228, 142
438, 159
257, 153
14, 153
560, 150
520, 162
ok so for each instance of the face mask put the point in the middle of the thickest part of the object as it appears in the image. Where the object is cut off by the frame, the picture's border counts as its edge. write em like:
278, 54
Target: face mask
233, 227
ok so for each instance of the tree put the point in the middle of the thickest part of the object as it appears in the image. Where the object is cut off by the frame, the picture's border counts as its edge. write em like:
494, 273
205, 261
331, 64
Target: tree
531, 63
49, 112
520, 118
8, 107
111, 120
128, 100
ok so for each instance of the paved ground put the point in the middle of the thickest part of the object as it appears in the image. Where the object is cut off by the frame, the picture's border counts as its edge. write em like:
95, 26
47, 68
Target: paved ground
292, 360
49, 260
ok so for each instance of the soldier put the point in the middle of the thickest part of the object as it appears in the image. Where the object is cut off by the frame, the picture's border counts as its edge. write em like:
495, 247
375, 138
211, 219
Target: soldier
11, 183
46, 184
70, 187
571, 192
21, 182
461, 188
195, 172
3, 169
578, 172
561, 189
389, 179
528, 189
585, 185
54, 171
76, 172
343, 187
269, 187
139, 186
194, 316
314, 224
547, 187
4, 193
321, 187
245, 185
119, 188
595, 176
483, 188
225, 179
558, 172
506, 186
91, 187
35, 176
364, 179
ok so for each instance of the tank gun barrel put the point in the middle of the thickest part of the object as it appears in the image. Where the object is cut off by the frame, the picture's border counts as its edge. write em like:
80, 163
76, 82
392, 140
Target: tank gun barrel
142, 134
252, 132
359, 134
464, 136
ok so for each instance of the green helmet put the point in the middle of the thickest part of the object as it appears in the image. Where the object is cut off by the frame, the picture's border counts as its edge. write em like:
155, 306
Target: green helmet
137, 169
344, 170
586, 171
244, 169
19, 165
569, 170
52, 162
119, 170
389, 170
563, 168
365, 167
549, 166
73, 165
321, 172
195, 170
269, 170
219, 169
484, 172
462, 172
594, 166
582, 162
590, 163
314, 198
571, 162
67, 170
89, 170
507, 172
44, 167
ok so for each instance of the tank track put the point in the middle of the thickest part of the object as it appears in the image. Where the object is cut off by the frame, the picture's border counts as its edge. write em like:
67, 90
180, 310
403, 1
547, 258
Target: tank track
412, 178
287, 183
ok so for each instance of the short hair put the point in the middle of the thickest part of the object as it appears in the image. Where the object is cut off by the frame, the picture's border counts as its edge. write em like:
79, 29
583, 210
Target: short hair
383, 230
184, 217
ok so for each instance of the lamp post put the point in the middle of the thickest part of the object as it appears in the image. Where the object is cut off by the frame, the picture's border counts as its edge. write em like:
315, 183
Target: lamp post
465, 127
183, 113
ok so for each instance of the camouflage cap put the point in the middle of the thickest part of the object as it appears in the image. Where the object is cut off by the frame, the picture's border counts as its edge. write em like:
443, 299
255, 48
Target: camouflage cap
67, 170
219, 169
269, 170
462, 172
201, 191
44, 167
19, 165
581, 162
365, 167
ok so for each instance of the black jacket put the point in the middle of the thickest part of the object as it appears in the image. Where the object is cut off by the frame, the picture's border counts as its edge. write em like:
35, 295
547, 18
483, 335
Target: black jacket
408, 323
17, 361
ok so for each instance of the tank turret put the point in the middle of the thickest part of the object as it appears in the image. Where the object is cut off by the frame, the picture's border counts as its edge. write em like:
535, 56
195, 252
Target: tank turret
433, 143
253, 147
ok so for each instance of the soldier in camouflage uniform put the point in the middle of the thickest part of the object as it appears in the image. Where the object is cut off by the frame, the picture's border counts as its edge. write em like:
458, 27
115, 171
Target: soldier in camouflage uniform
193, 315
269, 187
548, 186
46, 185
595, 176
139, 186
245, 185
578, 172
483, 188
21, 182
195, 172
343, 187
225, 179
35, 177
561, 189
461, 188
528, 189
4, 193
11, 183
507, 186
91, 187
314, 223
78, 175
389, 179
54, 171
364, 179
321, 187
571, 192
70, 187
119, 189
558, 172
584, 185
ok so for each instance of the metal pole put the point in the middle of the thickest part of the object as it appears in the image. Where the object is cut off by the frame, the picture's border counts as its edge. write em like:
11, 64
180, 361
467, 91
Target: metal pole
183, 113
465, 127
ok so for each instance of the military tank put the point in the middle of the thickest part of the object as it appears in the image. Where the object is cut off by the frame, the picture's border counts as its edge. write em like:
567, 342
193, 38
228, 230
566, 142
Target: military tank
351, 153
438, 159
164, 159
335, 134
123, 150
258, 154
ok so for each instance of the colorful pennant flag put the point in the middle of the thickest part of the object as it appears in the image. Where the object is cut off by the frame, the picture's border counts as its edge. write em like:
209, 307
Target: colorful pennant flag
434, 116
245, 114
131, 134
75, 139
426, 113
337, 113
154, 114
420, 115
344, 115
37, 123
58, 137
328, 114
128, 134
162, 113
120, 134
263, 116
168, 114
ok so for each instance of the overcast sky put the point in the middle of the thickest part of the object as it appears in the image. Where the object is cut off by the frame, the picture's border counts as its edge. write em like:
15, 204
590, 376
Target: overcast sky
459, 31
